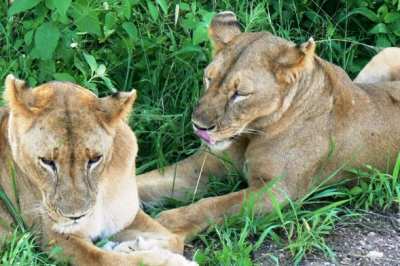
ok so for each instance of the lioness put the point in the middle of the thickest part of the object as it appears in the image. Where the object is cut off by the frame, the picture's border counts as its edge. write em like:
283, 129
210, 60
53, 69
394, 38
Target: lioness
277, 110
385, 66
74, 160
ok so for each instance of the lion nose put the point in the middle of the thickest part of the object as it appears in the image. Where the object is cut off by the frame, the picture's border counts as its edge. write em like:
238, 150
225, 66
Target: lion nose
199, 126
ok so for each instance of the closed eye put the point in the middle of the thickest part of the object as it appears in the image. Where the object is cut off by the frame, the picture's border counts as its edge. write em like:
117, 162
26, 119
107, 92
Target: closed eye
238, 96
94, 161
48, 164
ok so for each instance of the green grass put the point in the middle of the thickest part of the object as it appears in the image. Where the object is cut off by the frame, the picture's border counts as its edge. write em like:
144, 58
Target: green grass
301, 226
161, 48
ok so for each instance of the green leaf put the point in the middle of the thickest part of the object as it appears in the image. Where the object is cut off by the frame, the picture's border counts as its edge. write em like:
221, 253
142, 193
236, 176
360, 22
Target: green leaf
152, 10
91, 61
46, 40
86, 19
200, 34
131, 29
184, 6
379, 28
356, 190
110, 21
62, 6
164, 6
392, 17
366, 13
109, 84
64, 77
19, 6
101, 70
28, 37
126, 9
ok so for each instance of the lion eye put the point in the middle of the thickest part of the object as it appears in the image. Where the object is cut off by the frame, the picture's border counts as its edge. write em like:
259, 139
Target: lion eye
94, 161
235, 95
48, 164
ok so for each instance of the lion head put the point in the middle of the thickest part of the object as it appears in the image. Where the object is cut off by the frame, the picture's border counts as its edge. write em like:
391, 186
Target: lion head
252, 76
62, 137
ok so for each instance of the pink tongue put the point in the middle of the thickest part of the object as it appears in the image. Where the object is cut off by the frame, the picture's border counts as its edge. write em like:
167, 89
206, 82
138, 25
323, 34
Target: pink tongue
204, 135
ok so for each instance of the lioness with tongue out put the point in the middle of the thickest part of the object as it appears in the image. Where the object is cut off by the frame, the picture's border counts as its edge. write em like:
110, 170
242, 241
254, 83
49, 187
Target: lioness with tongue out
277, 109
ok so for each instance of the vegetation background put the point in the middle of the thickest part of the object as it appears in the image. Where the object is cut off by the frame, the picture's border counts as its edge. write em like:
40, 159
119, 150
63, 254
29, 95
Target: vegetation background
160, 47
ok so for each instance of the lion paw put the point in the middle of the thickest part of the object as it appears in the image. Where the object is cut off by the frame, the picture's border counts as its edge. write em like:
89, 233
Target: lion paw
164, 257
176, 259
142, 243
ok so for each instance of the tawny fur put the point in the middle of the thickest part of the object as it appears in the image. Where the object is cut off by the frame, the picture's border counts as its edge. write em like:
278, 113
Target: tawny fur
276, 110
69, 125
385, 66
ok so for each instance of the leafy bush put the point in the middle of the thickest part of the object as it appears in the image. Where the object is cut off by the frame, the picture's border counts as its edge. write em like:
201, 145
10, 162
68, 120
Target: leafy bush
160, 48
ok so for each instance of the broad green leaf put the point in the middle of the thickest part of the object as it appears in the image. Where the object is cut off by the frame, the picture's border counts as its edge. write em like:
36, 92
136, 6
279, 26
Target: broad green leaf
164, 6
189, 49
86, 19
110, 21
91, 61
207, 17
109, 84
62, 6
22, 5
64, 77
184, 6
200, 34
379, 28
356, 190
152, 10
28, 37
131, 29
46, 40
101, 70
366, 13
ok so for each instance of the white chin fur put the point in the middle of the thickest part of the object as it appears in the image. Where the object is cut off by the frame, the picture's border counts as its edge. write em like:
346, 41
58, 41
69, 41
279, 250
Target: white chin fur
68, 228
220, 145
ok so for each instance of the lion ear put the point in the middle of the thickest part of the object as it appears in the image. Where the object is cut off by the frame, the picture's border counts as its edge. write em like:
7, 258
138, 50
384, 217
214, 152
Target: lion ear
223, 28
293, 61
17, 94
117, 106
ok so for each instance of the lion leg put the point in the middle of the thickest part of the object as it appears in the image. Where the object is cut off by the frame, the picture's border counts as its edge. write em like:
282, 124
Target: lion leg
385, 66
187, 175
189, 220
145, 233
83, 252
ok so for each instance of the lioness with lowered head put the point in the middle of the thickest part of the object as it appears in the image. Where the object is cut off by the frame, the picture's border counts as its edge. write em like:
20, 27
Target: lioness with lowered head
74, 160
276, 109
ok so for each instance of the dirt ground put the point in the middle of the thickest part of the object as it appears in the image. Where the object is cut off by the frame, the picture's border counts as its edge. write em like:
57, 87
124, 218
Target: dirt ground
372, 239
